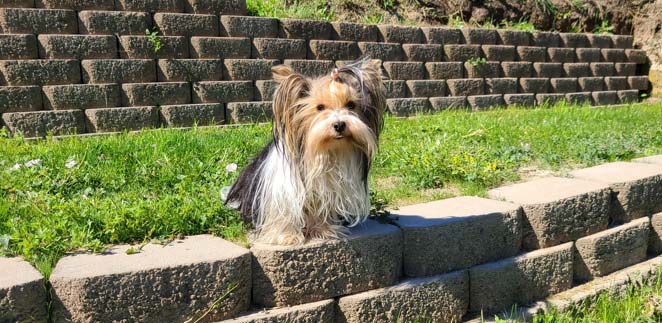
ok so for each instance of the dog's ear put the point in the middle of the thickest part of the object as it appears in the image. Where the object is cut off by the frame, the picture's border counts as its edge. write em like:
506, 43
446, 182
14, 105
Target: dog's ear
373, 65
281, 72
291, 87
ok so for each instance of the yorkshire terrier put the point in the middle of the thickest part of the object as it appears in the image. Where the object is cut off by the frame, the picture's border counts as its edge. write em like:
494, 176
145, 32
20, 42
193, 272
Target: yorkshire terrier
311, 180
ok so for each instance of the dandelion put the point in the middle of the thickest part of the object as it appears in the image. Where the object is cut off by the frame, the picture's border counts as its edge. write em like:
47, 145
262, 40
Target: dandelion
15, 167
230, 168
33, 162
70, 164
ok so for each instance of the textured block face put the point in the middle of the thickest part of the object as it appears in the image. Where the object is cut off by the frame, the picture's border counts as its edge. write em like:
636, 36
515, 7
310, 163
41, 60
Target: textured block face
637, 187
188, 115
574, 40
448, 103
445, 70
77, 46
613, 55
534, 85
637, 56
602, 69
427, 88
462, 53
248, 69
190, 70
215, 7
17, 4
548, 70
38, 21
152, 94
122, 119
40, 72
588, 55
625, 69
18, 47
304, 29
395, 89
370, 257
215, 47
638, 82
423, 52
317, 312
628, 96
485, 102
41, 123
546, 39
501, 86
404, 107
549, 99
310, 68
264, 90
514, 37
355, 32
180, 24
252, 27
441, 35
81, 96
222, 91
405, 70
599, 41
605, 97
20, 98
579, 98
119, 71
462, 222
577, 69
401, 34
199, 267
250, 112
151, 5
435, 299
590, 84
564, 85
523, 100
531, 54
616, 83
561, 55
275, 48
655, 242
333, 50
77, 5
499, 53
480, 36
517, 69
482, 70
466, 87
383, 51
522, 279
607, 251
622, 41
114, 22
22, 293
557, 210
141, 47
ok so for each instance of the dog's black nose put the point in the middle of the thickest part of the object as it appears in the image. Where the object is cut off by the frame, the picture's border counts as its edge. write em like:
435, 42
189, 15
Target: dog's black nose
339, 126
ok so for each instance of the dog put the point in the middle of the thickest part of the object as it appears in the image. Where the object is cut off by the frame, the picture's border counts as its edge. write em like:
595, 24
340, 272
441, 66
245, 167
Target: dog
311, 181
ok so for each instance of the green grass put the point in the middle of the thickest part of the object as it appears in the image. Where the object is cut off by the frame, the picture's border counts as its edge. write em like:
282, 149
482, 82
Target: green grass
166, 183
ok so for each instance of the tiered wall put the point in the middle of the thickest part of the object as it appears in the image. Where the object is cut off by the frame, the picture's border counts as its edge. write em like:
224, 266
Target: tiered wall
87, 66
447, 261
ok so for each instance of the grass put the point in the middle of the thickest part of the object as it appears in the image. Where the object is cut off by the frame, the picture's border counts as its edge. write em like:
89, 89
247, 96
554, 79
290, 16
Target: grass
87, 192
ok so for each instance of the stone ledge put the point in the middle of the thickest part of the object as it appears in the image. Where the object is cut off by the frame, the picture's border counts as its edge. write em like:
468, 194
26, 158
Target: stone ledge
318, 312
22, 292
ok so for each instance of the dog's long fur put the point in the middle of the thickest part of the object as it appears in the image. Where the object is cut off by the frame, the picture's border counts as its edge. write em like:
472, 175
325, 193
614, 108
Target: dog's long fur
311, 180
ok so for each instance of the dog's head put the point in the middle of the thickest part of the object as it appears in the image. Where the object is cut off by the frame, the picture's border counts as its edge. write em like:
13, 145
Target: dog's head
340, 111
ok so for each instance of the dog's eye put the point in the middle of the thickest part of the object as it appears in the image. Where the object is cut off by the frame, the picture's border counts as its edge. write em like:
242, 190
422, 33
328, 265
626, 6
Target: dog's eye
351, 105
320, 107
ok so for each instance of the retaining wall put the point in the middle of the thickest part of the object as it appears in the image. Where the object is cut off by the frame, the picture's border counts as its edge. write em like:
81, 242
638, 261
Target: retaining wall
87, 66
560, 240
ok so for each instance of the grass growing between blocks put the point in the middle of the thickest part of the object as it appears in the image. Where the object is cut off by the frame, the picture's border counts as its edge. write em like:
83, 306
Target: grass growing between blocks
61, 195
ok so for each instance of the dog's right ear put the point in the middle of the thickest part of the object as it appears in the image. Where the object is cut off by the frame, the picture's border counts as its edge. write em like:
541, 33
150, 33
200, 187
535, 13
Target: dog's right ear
281, 73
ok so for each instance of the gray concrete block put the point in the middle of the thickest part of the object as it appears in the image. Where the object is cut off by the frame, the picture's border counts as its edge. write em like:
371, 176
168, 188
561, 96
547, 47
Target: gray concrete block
531, 54
189, 70
150, 6
20, 46
557, 210
317, 312
474, 231
249, 112
602, 69
20, 98
625, 69
141, 47
588, 55
613, 55
461, 53
605, 97
574, 40
485, 102
517, 69
199, 267
616, 83
222, 91
579, 98
383, 51
77, 46
17, 4
189, 115
369, 257
605, 252
534, 85
657, 159
248, 69
220, 47
546, 39
395, 89
561, 55
427, 88
591, 84
577, 69
501, 85
423, 52
638, 82
599, 41
655, 241
215, 7
564, 85
482, 70
442, 35
628, 96
310, 68
184, 24
622, 41
40, 72
499, 53
113, 22
77, 5
466, 87
404, 107
304, 29
333, 50
81, 96
444, 70
277, 48
22, 292
355, 32
522, 100
637, 56
405, 70
548, 70
401, 34
265, 89
549, 99
155, 94
481, 36
119, 71
251, 27
434, 299
41, 123
38, 21
514, 37
448, 103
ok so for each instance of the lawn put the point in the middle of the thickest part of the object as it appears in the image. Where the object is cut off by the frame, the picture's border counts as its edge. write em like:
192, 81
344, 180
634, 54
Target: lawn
83, 193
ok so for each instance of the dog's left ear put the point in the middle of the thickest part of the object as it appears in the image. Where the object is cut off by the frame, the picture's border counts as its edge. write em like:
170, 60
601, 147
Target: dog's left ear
281, 72
372, 65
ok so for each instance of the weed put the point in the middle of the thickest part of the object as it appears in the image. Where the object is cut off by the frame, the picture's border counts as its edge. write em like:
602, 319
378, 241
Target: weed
155, 40
604, 28
456, 21
314, 9
522, 25
373, 20
477, 61
388, 4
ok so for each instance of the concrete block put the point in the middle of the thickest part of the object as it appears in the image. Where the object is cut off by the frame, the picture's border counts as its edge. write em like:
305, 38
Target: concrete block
383, 51
405, 70
591, 84
248, 69
183, 24
588, 55
264, 90
120, 119
628, 96
395, 89
423, 52
40, 72
625, 69
534, 85
317, 312
434, 299
304, 29
427, 88
401, 34
564, 85
637, 188
20, 98
482, 70
557, 210
118, 71
17, 4
189, 115
501, 85
561, 55
514, 37
574, 40
150, 6
448, 103
333, 50
520, 280
655, 241
461, 53
113, 22
77, 5
77, 46
622, 41
522, 100
220, 47
548, 70
605, 252
616, 83
444, 70
602, 69
637, 56
481, 36
531, 54
277, 48
189, 70
38, 21
404, 107
546, 39
369, 257
20, 46
153, 94
22, 292
199, 267
41, 123
599, 41
215, 7
222, 91
251, 27
579, 98
517, 69
605, 97
499, 53
577, 69
141, 47
657, 159
355, 32
250, 112
613, 55
310, 68
549, 99
463, 222
638, 83
485, 102
442, 35
81, 96
466, 87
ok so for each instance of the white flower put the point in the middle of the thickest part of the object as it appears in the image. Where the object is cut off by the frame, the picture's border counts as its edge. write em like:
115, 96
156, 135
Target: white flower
231, 167
15, 167
70, 164
33, 162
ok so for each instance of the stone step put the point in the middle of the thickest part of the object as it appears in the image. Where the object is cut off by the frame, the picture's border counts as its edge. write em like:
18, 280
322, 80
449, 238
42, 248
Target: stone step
22, 292
317, 312
657, 159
